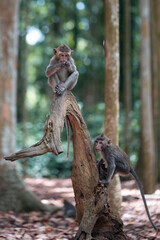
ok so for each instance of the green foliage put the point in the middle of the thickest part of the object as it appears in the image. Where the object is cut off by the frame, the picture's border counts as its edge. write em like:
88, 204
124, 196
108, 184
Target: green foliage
79, 24
49, 165
45, 24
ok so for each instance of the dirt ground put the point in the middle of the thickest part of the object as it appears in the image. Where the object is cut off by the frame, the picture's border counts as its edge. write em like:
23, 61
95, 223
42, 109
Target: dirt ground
46, 226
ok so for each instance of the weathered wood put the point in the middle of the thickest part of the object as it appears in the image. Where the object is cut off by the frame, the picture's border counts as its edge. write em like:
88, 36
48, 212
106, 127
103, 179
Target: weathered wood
93, 212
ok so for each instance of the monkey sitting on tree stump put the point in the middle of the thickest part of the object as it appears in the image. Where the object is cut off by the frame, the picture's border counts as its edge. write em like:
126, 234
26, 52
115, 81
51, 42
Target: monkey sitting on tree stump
61, 72
62, 75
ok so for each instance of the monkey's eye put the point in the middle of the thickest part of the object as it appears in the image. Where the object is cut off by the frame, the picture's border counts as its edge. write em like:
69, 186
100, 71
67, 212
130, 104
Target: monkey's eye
67, 55
62, 55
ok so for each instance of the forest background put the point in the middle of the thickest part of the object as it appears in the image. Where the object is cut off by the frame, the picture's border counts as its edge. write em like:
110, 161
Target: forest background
45, 24
32, 29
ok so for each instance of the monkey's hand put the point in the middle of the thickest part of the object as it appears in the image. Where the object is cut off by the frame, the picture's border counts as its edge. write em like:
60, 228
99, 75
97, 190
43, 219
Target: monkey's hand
67, 64
60, 89
62, 64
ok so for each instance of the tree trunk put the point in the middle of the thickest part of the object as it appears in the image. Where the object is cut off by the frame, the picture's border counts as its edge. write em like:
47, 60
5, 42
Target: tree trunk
112, 91
93, 212
155, 56
127, 72
13, 194
147, 138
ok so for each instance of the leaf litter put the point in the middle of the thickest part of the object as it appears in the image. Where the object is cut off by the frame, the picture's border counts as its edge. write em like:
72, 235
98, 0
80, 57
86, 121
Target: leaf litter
47, 226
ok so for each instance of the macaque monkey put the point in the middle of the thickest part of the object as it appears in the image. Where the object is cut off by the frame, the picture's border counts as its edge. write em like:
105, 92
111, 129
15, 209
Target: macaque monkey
115, 160
61, 71
62, 75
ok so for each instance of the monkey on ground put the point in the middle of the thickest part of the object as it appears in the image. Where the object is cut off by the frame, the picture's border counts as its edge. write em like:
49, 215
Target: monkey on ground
61, 71
115, 160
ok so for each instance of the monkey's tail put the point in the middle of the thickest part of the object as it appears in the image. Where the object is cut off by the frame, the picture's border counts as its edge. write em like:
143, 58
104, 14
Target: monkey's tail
143, 197
68, 136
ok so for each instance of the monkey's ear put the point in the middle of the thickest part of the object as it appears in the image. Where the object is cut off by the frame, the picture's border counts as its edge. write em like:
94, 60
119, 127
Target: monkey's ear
55, 51
72, 51
109, 141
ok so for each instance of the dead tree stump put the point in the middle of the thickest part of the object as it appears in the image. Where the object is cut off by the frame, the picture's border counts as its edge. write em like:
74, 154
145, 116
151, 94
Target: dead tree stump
96, 221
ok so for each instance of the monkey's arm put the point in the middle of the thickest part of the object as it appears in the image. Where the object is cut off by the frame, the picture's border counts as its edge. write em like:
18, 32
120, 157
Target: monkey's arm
110, 170
99, 164
71, 67
53, 67
101, 169
70, 82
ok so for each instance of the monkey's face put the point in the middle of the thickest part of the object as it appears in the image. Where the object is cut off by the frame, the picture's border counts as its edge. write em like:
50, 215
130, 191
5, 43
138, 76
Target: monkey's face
98, 145
62, 56
101, 142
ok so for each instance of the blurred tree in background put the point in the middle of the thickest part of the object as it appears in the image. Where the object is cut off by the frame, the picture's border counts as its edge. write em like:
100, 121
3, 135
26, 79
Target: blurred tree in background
14, 196
112, 92
155, 61
45, 24
147, 134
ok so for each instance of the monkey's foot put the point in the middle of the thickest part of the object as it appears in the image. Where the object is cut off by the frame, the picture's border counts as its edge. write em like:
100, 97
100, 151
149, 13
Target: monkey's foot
60, 89
106, 183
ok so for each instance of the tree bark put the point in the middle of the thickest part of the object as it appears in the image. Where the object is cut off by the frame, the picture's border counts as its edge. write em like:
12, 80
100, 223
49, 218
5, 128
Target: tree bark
147, 137
112, 91
155, 56
93, 212
13, 194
